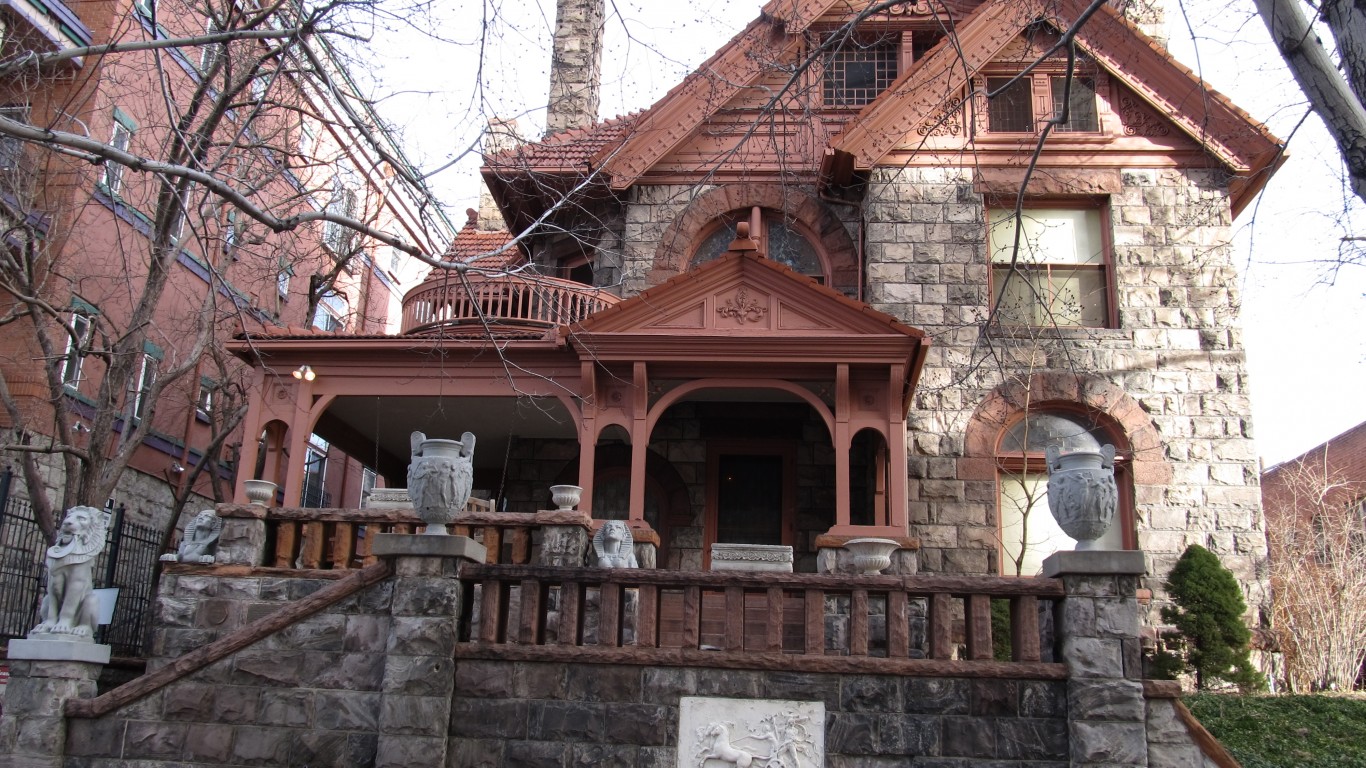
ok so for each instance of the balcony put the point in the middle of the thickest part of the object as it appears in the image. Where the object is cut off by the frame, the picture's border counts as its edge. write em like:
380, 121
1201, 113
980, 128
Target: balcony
449, 302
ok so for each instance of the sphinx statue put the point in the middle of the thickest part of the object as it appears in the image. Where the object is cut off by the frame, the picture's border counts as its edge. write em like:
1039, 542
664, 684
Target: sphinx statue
199, 542
614, 546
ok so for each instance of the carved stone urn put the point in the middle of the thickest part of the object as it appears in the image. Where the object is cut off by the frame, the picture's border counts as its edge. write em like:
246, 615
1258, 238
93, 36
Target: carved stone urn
440, 478
259, 492
566, 497
1081, 492
871, 556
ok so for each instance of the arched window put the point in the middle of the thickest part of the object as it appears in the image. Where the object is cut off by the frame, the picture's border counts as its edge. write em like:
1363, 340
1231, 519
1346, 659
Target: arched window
782, 239
1028, 533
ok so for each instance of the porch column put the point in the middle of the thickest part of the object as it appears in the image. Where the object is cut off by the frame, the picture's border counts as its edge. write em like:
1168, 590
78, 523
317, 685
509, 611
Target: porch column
898, 485
299, 430
640, 442
588, 434
841, 446
251, 435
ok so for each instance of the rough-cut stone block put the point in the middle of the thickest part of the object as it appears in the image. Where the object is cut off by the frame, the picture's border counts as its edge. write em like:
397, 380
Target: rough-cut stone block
1093, 657
419, 675
995, 698
352, 671
416, 636
1110, 744
271, 668
969, 737
145, 739
639, 724
935, 696
603, 683
535, 754
288, 708
489, 719
414, 715
566, 721
1119, 700
1021, 739
483, 679
102, 737
426, 597
730, 682
476, 753
1043, 699
366, 634
868, 693
261, 746
409, 751
539, 680
601, 755
208, 742
347, 710
908, 736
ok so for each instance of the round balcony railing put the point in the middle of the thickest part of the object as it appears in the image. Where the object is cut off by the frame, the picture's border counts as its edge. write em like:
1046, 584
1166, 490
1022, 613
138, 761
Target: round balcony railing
519, 302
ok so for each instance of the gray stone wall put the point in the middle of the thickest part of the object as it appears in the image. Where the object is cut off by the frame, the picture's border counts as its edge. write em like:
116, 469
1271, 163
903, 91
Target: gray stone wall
1177, 354
534, 714
309, 695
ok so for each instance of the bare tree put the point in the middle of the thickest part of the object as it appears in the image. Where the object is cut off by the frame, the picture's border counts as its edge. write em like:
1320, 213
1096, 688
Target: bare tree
1317, 535
230, 153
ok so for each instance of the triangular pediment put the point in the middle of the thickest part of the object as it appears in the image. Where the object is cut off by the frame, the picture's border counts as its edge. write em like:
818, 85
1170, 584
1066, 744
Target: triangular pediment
742, 295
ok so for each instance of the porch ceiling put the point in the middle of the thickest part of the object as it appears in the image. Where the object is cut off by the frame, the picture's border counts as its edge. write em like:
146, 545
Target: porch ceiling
376, 429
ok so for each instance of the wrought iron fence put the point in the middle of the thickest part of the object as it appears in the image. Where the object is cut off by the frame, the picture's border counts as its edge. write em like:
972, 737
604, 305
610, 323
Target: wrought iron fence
128, 562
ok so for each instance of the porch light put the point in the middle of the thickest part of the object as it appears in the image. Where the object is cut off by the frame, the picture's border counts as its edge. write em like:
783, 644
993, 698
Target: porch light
304, 373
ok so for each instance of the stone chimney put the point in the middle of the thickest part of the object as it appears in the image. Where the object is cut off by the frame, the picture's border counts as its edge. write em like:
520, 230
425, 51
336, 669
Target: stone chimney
501, 136
576, 65
1149, 15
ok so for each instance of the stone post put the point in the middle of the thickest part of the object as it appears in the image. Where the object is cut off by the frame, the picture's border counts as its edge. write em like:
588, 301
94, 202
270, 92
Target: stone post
33, 728
561, 538
1098, 633
242, 540
419, 668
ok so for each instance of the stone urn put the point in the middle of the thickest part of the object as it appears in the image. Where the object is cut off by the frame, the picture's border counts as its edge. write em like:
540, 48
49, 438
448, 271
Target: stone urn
1081, 492
871, 556
259, 492
566, 497
440, 478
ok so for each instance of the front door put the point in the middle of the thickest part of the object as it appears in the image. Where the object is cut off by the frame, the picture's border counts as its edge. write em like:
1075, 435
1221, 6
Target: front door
751, 494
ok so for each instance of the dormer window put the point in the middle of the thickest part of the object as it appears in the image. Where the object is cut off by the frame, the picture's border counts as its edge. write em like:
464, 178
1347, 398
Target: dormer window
860, 69
1013, 104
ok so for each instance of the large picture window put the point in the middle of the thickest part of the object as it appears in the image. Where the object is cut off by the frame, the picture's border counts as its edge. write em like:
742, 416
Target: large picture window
1058, 276
1027, 529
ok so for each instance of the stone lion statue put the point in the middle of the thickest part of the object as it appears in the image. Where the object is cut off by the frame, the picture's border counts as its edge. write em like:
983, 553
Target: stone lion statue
199, 542
68, 607
614, 546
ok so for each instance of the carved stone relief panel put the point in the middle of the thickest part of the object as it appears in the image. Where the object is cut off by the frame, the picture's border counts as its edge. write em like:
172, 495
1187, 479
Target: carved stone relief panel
759, 733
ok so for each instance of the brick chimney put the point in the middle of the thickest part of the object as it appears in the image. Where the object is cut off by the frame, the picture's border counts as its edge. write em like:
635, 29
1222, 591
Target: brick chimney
576, 65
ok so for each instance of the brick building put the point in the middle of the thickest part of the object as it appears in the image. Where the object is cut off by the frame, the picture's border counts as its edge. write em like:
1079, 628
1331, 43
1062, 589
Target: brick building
96, 233
1339, 468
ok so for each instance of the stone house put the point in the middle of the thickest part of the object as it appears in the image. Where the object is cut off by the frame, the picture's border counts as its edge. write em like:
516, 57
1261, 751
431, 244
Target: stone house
782, 307
848, 278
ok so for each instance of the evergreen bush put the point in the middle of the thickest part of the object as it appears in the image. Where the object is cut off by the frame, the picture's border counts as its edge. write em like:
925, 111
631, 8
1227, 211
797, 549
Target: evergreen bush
1208, 612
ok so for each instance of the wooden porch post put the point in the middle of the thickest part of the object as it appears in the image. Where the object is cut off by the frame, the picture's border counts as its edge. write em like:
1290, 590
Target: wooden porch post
640, 441
588, 433
299, 430
842, 442
251, 436
896, 445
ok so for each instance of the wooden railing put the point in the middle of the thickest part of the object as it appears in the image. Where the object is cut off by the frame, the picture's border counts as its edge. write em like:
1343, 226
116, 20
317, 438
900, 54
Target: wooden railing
336, 539
903, 625
445, 300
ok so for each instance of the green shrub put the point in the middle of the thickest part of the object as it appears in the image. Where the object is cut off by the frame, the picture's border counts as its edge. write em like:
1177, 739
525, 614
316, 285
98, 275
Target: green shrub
1209, 615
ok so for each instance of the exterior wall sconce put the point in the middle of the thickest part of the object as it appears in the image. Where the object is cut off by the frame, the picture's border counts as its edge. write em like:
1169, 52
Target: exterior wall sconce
304, 373
176, 468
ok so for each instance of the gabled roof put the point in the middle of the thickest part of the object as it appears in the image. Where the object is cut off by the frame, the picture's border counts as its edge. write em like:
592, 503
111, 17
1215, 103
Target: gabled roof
626, 149
746, 308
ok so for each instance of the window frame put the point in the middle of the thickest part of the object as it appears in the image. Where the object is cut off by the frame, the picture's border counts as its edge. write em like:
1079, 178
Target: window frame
72, 360
1043, 101
315, 457
120, 138
877, 48
1106, 267
147, 377
760, 219
1023, 463
335, 308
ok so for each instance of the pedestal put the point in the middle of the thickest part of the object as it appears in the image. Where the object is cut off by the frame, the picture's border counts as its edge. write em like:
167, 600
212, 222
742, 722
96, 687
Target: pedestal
419, 673
44, 674
1098, 629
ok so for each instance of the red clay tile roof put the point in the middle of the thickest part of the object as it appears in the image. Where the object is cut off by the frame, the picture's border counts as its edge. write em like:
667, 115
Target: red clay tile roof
571, 148
471, 243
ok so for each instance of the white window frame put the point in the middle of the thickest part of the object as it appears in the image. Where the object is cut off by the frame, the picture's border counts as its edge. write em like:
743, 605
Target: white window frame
210, 53
147, 376
331, 313
1058, 243
73, 358
120, 138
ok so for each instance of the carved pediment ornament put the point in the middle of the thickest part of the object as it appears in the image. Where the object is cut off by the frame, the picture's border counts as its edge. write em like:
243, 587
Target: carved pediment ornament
945, 122
742, 307
1138, 119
